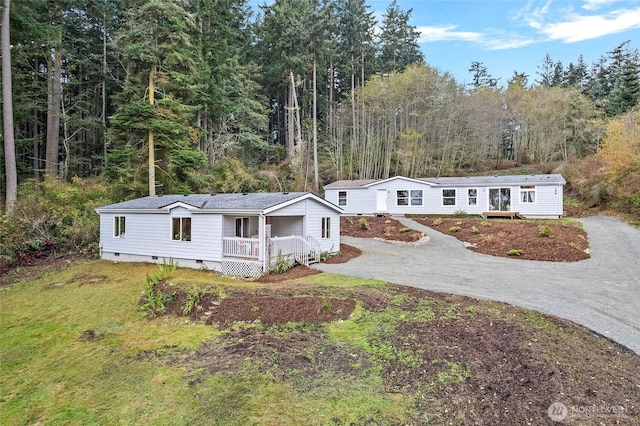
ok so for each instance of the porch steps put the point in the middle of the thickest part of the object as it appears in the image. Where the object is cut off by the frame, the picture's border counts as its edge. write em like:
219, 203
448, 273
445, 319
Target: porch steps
511, 215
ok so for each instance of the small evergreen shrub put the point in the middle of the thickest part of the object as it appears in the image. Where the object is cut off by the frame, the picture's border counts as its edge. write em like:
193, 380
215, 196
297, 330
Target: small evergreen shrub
364, 224
454, 229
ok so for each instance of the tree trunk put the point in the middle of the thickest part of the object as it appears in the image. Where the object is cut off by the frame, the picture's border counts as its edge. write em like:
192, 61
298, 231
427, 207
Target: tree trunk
7, 113
152, 158
316, 177
104, 88
54, 71
290, 144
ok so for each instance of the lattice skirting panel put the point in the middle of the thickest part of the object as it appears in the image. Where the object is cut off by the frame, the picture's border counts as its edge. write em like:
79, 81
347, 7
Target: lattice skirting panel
240, 268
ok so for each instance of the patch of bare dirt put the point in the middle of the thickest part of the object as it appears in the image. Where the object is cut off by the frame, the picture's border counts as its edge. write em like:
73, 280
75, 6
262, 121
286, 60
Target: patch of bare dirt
378, 227
298, 271
463, 361
531, 240
34, 267
269, 310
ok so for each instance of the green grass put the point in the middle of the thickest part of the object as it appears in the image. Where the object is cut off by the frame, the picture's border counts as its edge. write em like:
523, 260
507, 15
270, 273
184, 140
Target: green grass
50, 374
135, 370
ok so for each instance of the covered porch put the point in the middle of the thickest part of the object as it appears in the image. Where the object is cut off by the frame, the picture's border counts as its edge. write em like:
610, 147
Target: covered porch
252, 244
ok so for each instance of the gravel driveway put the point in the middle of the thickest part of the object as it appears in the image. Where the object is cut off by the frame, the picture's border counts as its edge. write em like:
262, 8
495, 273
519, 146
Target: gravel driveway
601, 293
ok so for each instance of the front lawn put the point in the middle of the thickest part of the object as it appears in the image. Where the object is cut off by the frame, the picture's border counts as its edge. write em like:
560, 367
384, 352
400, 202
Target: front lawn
76, 349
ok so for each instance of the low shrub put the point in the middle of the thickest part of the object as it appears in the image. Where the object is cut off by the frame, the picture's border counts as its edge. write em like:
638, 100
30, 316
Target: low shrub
54, 212
364, 224
515, 252
454, 229
475, 230
437, 221
545, 231
283, 264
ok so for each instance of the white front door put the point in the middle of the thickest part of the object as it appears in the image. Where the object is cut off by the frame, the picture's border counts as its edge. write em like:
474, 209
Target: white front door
381, 200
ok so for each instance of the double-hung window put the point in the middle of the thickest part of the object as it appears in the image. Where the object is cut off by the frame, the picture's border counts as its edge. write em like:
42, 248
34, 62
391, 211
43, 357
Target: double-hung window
448, 197
416, 197
472, 197
181, 229
402, 197
326, 227
528, 194
119, 226
342, 198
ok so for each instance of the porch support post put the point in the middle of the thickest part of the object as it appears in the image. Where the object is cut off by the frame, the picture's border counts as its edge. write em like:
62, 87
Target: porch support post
262, 245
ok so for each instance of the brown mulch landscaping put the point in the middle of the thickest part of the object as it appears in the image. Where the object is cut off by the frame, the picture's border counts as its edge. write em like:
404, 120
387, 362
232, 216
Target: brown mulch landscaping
378, 227
497, 237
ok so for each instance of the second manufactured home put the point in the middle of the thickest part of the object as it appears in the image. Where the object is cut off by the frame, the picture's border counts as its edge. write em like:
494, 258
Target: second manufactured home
535, 196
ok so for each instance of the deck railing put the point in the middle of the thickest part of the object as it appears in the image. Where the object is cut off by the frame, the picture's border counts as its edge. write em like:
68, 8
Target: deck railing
241, 247
302, 250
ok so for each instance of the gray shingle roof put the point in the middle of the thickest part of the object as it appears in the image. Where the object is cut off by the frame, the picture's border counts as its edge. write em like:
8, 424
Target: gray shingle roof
250, 201
497, 180
463, 181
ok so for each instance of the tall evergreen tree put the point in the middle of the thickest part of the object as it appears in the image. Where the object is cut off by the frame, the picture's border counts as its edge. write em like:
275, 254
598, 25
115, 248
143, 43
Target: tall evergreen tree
481, 77
398, 41
156, 104
546, 71
626, 90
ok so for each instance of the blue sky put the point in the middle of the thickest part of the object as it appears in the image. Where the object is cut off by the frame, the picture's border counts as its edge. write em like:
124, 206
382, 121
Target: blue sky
515, 35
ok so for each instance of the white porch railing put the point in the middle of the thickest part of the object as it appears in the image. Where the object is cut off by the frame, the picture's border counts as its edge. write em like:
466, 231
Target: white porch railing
241, 247
303, 250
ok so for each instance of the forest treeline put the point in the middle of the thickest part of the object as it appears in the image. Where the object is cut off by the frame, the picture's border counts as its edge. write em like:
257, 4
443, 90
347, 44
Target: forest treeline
177, 96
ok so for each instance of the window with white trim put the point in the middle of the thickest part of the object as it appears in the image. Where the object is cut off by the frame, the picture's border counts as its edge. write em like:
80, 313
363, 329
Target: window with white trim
242, 227
405, 197
448, 197
326, 227
181, 229
528, 194
472, 197
342, 198
119, 226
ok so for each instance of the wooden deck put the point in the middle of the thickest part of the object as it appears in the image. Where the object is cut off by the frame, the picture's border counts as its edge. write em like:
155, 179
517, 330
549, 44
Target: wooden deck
511, 215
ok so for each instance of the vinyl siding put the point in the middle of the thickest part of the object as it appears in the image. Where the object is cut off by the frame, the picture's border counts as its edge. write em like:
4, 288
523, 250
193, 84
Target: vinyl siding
283, 226
363, 200
313, 224
359, 200
150, 235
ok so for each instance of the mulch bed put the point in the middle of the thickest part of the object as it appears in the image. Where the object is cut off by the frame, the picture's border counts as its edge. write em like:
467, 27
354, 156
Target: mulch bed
378, 227
566, 243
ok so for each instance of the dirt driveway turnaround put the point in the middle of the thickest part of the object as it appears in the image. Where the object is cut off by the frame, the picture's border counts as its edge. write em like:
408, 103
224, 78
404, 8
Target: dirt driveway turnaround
601, 293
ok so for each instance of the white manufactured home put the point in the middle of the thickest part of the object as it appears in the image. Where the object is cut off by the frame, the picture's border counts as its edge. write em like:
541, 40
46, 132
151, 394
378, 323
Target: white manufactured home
535, 196
236, 234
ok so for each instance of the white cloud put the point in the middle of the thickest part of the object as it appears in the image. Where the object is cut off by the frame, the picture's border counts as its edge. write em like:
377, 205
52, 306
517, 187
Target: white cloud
503, 43
578, 27
446, 33
488, 41
597, 4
